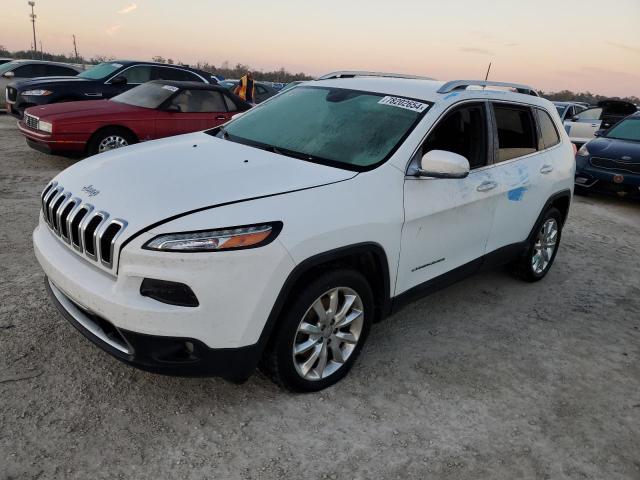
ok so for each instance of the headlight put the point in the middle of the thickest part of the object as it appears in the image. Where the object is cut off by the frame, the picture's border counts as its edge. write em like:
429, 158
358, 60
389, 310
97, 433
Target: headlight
45, 126
234, 238
36, 93
584, 151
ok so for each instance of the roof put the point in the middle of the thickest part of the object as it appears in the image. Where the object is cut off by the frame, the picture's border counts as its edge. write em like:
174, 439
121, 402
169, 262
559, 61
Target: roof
45, 62
422, 89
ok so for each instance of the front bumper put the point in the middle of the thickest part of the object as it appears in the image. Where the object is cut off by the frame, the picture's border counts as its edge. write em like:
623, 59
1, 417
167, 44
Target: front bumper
158, 354
606, 181
48, 143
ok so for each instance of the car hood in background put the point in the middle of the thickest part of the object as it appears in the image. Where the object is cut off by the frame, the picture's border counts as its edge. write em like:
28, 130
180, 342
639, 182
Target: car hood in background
152, 181
32, 83
613, 149
69, 111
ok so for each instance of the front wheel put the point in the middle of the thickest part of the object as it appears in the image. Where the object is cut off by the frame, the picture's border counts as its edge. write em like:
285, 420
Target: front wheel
109, 139
322, 333
543, 247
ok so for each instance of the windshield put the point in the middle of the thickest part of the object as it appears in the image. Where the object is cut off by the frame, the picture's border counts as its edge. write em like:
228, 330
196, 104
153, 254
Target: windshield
628, 129
344, 128
100, 71
561, 109
147, 95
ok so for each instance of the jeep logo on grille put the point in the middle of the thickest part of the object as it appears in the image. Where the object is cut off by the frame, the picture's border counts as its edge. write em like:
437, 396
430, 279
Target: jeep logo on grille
90, 190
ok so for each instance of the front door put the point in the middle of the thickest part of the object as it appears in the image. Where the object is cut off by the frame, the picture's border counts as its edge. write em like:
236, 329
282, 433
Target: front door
585, 125
447, 221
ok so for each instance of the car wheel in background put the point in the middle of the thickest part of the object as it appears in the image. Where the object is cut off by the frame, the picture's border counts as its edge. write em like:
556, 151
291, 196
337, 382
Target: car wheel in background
109, 139
542, 248
322, 332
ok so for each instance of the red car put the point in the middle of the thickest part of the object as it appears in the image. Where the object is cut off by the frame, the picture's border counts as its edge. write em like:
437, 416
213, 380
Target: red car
152, 110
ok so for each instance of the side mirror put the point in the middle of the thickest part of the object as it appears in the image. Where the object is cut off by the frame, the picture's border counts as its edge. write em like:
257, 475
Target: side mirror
575, 118
599, 133
9, 75
173, 109
119, 80
443, 164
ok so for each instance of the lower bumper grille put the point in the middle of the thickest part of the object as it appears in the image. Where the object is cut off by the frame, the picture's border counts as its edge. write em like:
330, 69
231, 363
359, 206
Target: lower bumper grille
617, 165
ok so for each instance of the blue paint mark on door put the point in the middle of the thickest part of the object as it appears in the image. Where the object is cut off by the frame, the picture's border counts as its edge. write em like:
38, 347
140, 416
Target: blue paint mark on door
516, 194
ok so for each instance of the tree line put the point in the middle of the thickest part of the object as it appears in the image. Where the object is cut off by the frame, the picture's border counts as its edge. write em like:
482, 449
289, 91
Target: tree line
280, 75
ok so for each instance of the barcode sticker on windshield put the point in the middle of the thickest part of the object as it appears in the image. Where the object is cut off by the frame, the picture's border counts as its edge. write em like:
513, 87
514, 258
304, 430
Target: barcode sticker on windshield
404, 103
171, 88
116, 65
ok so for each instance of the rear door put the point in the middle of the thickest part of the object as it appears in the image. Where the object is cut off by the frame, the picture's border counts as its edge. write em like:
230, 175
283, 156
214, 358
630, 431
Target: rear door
520, 168
448, 221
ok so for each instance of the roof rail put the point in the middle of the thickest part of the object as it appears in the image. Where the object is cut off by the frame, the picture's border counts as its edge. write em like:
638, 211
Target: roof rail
356, 73
463, 84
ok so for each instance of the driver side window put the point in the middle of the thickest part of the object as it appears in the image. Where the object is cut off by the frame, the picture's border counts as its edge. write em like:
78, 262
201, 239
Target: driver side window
137, 74
462, 131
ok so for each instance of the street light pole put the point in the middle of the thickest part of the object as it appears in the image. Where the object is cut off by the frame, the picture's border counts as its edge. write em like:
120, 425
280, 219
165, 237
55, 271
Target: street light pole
33, 22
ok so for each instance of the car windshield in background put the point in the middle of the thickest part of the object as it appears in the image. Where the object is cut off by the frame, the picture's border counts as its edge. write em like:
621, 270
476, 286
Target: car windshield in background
147, 95
340, 127
628, 129
100, 71
561, 109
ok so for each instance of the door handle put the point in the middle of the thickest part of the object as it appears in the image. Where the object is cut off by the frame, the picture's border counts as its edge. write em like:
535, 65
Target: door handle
221, 117
594, 124
486, 186
546, 169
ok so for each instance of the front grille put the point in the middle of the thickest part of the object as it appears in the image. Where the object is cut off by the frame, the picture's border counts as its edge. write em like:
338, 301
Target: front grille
11, 94
91, 232
31, 121
617, 165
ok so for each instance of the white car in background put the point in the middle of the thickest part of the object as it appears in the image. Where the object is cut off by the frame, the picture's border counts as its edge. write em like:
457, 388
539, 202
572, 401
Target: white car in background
582, 127
568, 110
281, 237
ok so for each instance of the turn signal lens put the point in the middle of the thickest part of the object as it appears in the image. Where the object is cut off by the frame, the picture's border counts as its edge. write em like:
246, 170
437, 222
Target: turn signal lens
235, 238
37, 93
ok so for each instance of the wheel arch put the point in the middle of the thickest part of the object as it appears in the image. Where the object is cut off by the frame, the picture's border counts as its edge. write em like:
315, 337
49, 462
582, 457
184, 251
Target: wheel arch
368, 258
107, 127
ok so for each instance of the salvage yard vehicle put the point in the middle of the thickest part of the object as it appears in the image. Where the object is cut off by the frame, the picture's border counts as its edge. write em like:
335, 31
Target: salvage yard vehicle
568, 110
152, 110
582, 127
18, 70
101, 81
610, 163
279, 238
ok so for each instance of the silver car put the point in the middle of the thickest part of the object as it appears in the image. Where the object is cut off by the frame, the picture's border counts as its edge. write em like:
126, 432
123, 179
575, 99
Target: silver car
23, 69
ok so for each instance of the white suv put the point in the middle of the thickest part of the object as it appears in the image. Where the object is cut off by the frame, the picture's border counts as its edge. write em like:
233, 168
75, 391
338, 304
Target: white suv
280, 238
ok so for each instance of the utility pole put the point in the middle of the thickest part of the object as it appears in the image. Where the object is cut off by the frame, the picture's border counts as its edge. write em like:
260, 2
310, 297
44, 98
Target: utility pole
75, 49
33, 22
41, 51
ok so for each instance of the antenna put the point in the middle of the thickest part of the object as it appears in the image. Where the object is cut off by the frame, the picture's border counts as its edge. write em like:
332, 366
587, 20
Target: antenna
486, 77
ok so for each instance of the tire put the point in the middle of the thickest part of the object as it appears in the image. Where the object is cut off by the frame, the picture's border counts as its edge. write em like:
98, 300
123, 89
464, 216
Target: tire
537, 260
115, 136
339, 346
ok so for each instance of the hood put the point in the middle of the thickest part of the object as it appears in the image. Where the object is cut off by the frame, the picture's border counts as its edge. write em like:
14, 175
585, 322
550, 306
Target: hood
32, 83
152, 181
614, 149
80, 109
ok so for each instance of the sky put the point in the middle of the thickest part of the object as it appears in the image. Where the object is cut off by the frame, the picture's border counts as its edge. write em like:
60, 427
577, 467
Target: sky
551, 45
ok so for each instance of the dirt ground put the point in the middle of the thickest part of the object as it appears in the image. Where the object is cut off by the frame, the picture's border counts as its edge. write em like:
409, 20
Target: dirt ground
491, 378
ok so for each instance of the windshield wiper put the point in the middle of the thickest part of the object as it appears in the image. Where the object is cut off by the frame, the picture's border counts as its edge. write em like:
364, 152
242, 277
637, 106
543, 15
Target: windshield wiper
291, 153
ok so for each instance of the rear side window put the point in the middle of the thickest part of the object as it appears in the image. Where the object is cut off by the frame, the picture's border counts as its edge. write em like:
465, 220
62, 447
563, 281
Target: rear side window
30, 71
166, 73
516, 131
462, 131
548, 134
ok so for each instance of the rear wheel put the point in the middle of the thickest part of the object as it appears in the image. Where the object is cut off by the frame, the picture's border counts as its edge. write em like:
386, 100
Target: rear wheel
322, 333
543, 247
109, 139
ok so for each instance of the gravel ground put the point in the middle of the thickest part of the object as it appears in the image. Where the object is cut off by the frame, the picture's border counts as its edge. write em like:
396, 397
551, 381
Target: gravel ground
491, 378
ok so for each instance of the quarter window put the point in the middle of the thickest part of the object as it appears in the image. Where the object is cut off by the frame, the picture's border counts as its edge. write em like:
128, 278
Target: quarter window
462, 131
548, 133
516, 131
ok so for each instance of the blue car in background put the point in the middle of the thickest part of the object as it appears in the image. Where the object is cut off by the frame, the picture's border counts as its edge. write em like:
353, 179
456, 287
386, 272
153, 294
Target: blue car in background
610, 163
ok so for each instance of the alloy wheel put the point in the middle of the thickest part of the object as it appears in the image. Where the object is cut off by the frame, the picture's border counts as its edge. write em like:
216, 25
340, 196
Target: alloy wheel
544, 246
111, 142
328, 333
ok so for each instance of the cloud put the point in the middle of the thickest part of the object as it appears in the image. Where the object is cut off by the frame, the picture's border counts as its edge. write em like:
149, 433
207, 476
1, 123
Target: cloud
128, 8
112, 30
624, 47
480, 51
